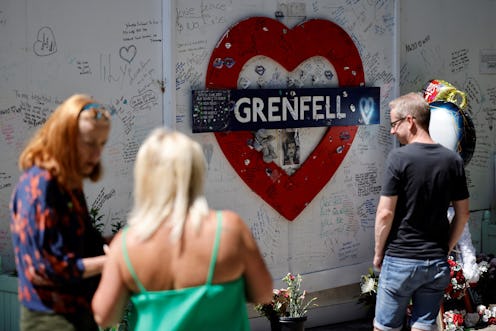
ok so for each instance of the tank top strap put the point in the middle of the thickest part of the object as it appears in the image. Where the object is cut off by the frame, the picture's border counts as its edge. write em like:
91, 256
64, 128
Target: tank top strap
211, 269
128, 261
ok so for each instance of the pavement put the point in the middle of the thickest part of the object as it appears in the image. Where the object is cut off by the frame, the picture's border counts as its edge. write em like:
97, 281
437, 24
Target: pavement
358, 325
366, 325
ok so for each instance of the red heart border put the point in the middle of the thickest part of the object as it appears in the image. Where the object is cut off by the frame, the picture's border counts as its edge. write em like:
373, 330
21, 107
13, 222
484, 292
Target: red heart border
288, 195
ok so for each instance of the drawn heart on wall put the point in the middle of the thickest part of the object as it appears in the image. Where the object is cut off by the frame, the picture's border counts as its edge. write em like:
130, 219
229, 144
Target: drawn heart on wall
288, 195
128, 53
45, 42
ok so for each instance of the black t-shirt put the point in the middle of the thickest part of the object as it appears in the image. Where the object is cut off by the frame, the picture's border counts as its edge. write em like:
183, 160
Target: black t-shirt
425, 178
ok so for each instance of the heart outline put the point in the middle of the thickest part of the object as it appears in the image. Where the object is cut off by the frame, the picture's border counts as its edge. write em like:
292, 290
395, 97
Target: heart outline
128, 53
45, 42
288, 195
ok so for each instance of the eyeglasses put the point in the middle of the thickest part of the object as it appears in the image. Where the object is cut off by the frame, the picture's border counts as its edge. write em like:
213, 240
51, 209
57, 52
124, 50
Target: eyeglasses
394, 123
99, 111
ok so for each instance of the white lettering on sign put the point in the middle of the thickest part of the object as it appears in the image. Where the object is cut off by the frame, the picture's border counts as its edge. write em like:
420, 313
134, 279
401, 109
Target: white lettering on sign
280, 108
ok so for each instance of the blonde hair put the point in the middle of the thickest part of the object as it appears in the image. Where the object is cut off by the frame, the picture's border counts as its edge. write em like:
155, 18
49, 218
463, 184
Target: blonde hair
415, 105
53, 146
168, 184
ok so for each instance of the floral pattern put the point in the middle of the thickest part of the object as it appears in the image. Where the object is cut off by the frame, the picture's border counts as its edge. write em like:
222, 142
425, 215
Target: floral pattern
51, 233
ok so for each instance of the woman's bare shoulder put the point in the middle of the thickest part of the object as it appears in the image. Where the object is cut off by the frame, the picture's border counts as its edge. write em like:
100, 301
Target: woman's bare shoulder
232, 219
116, 241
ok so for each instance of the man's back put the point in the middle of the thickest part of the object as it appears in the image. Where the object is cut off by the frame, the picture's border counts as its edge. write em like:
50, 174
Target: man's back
426, 178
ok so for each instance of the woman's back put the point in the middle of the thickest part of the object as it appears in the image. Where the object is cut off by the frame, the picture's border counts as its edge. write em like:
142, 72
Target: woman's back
162, 264
206, 306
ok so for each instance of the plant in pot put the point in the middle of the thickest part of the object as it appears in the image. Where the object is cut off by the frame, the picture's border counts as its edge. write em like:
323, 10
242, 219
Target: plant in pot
288, 307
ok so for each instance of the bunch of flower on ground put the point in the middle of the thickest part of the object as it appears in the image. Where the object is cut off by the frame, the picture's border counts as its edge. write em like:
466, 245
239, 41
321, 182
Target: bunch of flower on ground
458, 284
368, 288
277, 307
297, 305
453, 320
287, 302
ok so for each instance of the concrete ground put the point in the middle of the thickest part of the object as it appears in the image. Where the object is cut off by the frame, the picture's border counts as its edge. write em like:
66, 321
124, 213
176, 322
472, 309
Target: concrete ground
366, 325
358, 325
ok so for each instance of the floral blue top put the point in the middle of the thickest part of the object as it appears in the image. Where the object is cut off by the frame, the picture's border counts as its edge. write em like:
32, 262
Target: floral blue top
52, 232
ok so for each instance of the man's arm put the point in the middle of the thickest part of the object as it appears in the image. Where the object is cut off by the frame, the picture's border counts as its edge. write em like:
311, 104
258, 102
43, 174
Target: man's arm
462, 214
383, 222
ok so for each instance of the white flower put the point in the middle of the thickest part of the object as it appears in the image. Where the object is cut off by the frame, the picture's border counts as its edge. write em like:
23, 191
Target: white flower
481, 309
368, 286
483, 266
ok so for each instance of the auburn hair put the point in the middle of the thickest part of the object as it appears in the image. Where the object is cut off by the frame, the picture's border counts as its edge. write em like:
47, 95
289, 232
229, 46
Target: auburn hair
53, 147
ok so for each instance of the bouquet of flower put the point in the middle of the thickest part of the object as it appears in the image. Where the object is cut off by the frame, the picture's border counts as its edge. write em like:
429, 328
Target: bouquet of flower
277, 307
458, 284
487, 315
453, 320
486, 286
368, 288
297, 305
483, 267
286, 302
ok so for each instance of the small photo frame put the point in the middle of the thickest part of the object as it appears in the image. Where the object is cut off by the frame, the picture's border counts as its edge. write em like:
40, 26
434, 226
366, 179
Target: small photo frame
290, 147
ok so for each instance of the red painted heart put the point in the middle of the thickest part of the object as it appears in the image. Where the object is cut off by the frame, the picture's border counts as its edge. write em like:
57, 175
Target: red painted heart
288, 195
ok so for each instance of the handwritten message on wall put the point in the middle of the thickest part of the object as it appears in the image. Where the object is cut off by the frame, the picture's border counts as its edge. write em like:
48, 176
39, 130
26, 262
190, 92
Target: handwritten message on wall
120, 57
116, 57
335, 228
430, 52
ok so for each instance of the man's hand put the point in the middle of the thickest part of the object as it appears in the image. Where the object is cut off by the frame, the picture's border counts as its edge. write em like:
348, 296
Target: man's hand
378, 262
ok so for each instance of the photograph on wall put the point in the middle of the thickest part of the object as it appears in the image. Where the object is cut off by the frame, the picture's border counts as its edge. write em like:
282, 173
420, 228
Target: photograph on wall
290, 150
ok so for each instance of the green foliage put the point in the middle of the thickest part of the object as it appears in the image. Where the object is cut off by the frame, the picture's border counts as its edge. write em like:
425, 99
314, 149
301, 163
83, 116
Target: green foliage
97, 219
125, 323
117, 226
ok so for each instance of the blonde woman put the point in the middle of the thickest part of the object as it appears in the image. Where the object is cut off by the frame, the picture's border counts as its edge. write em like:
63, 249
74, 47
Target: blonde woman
184, 266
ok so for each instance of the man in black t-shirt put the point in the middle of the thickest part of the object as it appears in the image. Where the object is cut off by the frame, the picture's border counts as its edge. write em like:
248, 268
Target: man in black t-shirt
413, 235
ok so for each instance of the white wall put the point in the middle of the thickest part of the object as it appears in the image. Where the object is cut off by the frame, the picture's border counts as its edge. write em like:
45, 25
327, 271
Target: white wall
333, 234
447, 40
123, 52
52, 49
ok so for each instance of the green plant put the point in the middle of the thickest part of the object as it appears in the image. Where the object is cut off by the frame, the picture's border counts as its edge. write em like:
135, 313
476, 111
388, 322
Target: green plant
125, 322
97, 219
117, 226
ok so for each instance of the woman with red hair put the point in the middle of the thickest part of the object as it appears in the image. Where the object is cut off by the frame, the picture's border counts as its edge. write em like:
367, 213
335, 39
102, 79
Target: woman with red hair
58, 252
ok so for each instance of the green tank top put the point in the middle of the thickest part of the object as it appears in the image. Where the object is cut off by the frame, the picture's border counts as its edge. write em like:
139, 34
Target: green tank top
206, 307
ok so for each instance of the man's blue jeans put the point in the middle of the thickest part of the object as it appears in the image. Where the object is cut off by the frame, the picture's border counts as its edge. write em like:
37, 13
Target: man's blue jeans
403, 280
